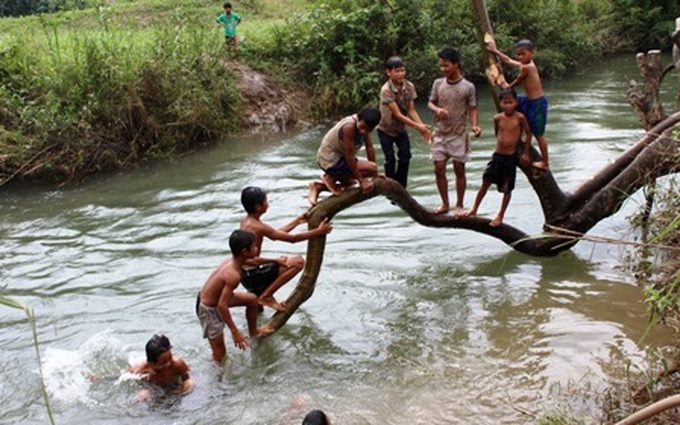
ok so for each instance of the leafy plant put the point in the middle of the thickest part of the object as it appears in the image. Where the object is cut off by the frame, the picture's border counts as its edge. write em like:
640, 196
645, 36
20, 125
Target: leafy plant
9, 302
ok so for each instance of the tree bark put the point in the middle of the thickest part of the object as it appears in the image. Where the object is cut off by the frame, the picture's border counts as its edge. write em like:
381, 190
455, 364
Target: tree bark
657, 157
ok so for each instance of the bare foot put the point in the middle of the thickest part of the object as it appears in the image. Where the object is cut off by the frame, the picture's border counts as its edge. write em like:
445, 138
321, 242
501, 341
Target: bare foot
471, 213
265, 330
441, 210
459, 212
496, 222
540, 165
271, 303
313, 196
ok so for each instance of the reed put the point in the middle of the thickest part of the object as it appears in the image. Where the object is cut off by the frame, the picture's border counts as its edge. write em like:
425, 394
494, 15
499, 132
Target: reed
9, 302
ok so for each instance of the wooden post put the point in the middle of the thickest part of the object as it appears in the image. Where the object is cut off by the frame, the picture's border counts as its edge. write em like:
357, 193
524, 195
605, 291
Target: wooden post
647, 104
483, 24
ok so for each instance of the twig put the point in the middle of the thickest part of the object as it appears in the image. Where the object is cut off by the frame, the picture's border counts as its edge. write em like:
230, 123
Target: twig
573, 235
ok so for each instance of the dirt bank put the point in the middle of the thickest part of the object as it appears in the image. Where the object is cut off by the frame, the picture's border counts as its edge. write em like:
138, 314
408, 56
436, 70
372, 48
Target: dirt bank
268, 107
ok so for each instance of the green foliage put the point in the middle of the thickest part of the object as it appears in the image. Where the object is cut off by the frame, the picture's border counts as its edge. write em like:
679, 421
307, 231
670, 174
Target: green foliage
106, 99
658, 269
644, 24
338, 47
30, 7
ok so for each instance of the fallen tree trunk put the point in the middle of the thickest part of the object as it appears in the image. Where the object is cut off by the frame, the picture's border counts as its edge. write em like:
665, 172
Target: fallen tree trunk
566, 214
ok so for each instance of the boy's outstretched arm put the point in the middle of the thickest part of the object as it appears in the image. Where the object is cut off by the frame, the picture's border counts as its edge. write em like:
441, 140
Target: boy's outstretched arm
412, 119
264, 229
491, 46
294, 223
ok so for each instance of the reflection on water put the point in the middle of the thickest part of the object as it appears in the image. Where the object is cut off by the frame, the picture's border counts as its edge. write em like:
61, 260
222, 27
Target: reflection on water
407, 324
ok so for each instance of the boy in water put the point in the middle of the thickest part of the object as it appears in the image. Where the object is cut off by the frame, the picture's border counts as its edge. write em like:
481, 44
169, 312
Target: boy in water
162, 368
337, 155
229, 19
397, 110
501, 170
533, 103
219, 294
453, 100
264, 276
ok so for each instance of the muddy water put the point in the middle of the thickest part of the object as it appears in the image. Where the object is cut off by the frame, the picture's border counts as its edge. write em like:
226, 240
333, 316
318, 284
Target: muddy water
408, 325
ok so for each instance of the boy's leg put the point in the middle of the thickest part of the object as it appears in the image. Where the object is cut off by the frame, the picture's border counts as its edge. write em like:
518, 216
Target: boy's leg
544, 163
249, 301
387, 144
331, 184
219, 350
501, 213
226, 46
478, 199
235, 41
293, 266
461, 184
442, 186
367, 168
315, 188
404, 155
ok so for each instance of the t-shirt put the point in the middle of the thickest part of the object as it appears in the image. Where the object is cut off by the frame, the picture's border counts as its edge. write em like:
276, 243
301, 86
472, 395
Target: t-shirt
390, 93
332, 149
229, 22
457, 98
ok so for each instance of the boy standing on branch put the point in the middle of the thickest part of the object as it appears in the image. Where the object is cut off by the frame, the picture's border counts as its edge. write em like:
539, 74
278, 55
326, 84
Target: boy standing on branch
398, 110
453, 100
533, 103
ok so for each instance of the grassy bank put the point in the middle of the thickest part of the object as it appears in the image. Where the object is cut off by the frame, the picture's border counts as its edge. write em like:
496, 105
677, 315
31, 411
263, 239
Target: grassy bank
105, 87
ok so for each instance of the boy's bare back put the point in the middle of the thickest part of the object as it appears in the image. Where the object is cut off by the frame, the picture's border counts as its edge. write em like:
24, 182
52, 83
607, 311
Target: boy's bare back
226, 276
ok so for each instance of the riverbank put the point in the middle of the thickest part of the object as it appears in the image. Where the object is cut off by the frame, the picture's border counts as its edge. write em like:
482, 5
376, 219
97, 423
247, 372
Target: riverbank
132, 81
123, 84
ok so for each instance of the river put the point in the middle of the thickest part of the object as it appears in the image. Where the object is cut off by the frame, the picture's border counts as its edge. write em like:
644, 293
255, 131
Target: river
408, 324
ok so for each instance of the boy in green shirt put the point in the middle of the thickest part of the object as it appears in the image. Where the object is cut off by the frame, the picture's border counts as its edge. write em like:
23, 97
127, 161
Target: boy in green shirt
229, 19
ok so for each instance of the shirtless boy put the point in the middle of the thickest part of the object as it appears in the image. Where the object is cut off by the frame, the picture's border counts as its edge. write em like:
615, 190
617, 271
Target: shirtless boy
264, 276
533, 104
162, 368
219, 294
501, 170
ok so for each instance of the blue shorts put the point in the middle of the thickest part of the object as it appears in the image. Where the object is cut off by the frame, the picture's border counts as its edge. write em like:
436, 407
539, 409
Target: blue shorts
536, 112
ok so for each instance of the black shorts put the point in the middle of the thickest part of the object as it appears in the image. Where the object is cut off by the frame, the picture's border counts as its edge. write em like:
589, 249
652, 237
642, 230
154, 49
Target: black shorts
501, 170
257, 279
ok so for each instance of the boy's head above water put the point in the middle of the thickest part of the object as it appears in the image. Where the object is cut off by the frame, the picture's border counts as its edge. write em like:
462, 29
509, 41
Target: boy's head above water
156, 348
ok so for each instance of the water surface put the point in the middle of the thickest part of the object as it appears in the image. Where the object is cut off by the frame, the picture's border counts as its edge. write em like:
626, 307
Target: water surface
408, 324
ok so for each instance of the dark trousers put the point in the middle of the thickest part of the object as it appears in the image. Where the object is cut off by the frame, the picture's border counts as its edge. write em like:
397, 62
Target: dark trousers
397, 170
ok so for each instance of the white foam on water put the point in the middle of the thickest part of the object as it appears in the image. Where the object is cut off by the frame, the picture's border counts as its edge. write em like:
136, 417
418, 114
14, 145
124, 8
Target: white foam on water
70, 374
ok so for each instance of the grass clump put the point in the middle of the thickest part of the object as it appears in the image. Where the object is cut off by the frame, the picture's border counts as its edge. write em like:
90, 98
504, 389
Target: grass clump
104, 99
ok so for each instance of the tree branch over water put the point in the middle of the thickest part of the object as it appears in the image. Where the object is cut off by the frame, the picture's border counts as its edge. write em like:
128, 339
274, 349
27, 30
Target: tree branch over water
655, 155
